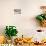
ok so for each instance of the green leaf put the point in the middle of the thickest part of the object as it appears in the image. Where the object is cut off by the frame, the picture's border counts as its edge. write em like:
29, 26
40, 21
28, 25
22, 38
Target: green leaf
45, 16
40, 18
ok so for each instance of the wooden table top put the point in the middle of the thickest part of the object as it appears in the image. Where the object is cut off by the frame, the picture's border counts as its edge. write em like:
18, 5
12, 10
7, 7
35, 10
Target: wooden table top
31, 45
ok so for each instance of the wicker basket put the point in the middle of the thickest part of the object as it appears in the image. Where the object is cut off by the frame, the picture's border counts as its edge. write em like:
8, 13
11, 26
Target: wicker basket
43, 23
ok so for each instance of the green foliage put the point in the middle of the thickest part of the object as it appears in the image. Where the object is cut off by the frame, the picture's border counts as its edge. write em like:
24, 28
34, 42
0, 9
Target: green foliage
41, 17
45, 16
11, 31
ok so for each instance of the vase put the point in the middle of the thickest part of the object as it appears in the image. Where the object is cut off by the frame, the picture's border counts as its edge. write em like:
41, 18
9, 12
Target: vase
13, 38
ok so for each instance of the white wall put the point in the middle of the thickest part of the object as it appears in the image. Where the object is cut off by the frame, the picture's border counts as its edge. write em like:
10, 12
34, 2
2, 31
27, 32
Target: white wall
25, 22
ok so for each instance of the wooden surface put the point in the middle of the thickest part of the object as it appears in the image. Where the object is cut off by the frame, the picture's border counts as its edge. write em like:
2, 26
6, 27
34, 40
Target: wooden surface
30, 45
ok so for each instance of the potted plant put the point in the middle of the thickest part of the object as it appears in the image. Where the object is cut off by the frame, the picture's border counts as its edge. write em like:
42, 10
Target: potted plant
42, 17
10, 31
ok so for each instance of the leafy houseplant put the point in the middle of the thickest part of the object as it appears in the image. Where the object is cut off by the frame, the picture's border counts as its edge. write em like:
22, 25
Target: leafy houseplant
42, 19
11, 31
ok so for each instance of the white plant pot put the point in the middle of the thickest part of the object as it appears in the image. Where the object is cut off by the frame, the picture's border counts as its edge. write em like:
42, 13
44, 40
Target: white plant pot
13, 38
9, 41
